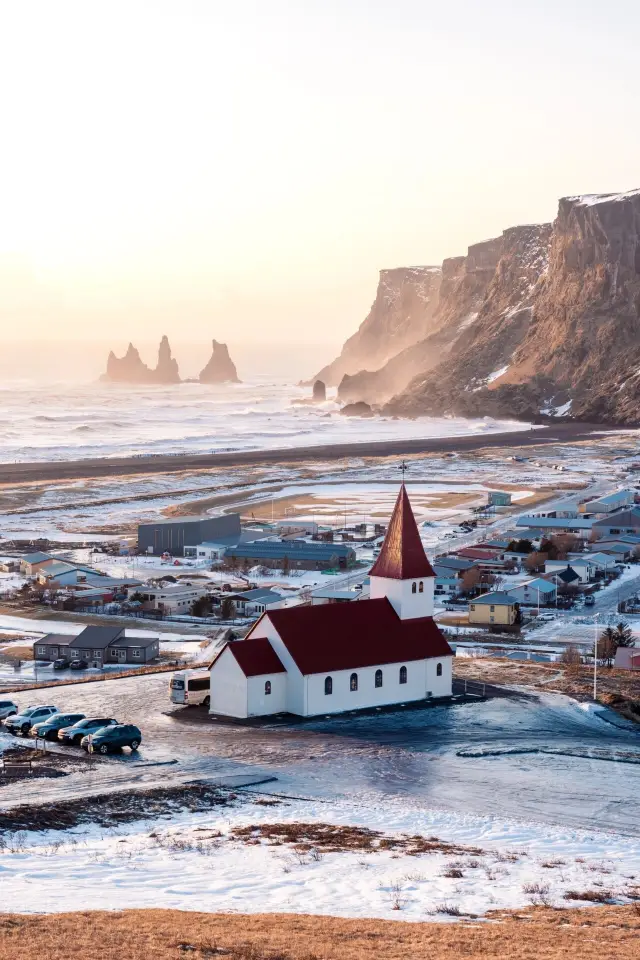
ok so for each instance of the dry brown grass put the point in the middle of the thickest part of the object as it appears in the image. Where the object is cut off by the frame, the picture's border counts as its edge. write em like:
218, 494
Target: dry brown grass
533, 934
18, 652
619, 689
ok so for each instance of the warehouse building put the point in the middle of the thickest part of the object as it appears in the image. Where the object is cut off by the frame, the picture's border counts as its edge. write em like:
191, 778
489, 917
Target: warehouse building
295, 554
173, 535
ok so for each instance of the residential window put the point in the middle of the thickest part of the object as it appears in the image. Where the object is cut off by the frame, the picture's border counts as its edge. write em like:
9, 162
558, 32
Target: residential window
421, 587
413, 588
42, 650
439, 670
492, 609
135, 653
74, 653
472, 607
267, 688
328, 686
97, 653
353, 681
378, 680
403, 674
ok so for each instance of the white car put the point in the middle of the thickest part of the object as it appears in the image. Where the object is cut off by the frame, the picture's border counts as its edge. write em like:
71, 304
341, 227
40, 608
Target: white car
22, 722
7, 708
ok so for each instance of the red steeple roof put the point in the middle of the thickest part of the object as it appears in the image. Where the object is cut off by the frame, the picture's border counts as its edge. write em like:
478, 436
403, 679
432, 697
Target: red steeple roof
402, 556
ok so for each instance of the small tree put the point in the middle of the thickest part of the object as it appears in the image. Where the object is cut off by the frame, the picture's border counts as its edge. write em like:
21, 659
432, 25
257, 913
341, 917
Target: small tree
548, 546
201, 607
286, 565
624, 635
607, 646
227, 609
572, 660
470, 580
535, 561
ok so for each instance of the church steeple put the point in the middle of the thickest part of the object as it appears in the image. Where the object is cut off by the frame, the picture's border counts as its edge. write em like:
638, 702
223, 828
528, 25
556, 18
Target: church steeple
402, 556
402, 573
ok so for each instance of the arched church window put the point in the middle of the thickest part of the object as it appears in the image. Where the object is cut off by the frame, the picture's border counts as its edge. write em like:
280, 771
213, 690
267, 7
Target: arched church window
328, 686
353, 682
413, 587
378, 678
267, 687
421, 587
403, 674
439, 670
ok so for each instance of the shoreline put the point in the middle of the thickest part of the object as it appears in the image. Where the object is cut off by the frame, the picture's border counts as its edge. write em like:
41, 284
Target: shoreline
173, 463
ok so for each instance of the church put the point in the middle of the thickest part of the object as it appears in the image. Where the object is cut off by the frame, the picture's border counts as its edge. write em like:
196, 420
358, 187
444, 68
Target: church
316, 660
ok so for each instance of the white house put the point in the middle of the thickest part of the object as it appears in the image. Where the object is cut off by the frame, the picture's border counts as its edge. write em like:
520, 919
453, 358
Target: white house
171, 598
584, 567
534, 592
329, 658
257, 601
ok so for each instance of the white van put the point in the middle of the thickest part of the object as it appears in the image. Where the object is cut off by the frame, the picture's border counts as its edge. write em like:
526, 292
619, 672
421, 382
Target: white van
191, 687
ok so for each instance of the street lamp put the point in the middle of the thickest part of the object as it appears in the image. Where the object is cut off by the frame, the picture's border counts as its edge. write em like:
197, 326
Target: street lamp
595, 661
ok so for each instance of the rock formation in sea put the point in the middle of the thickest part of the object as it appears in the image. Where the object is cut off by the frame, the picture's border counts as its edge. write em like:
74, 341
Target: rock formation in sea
220, 368
359, 409
131, 369
544, 320
319, 391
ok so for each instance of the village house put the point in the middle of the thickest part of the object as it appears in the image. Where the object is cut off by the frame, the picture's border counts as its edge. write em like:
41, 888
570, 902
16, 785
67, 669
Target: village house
99, 646
534, 593
584, 567
171, 598
623, 521
31, 563
496, 608
627, 658
311, 660
256, 601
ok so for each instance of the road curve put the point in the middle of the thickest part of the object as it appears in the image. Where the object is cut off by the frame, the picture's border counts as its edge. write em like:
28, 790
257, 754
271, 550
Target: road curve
172, 463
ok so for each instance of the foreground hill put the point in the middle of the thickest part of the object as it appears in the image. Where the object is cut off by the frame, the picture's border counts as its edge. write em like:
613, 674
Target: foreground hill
545, 319
546, 934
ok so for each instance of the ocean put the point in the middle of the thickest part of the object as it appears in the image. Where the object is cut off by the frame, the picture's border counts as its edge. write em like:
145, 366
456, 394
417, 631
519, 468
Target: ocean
67, 421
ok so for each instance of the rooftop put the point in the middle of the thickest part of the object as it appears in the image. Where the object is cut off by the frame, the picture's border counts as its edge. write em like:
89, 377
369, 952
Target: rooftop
349, 636
402, 556
255, 656
497, 597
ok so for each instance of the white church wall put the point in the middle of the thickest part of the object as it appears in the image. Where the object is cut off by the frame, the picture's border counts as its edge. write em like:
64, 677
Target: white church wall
439, 686
296, 686
228, 687
260, 703
407, 604
367, 695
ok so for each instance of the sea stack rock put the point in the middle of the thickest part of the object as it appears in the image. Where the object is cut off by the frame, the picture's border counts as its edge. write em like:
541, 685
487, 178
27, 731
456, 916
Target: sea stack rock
359, 409
127, 369
221, 368
167, 368
319, 391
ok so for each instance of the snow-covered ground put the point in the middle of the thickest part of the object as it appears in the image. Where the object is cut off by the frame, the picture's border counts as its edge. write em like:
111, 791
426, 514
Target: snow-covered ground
185, 865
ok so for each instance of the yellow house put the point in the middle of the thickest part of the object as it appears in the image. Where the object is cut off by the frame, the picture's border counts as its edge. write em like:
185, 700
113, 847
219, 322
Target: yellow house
497, 607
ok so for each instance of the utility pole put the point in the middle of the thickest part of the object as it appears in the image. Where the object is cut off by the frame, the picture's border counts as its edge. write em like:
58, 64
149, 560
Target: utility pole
595, 661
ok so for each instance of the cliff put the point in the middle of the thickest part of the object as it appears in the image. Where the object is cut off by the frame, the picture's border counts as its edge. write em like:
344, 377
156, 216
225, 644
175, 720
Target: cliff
131, 369
401, 315
455, 308
572, 346
220, 368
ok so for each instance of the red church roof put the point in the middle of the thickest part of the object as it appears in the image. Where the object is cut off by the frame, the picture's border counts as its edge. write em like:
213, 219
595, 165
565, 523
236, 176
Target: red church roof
348, 636
256, 657
402, 556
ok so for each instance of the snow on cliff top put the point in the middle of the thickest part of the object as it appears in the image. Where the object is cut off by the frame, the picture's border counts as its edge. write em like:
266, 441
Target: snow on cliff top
591, 199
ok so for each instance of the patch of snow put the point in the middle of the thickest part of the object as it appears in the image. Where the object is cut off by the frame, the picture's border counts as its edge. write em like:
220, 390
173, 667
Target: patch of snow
497, 374
593, 199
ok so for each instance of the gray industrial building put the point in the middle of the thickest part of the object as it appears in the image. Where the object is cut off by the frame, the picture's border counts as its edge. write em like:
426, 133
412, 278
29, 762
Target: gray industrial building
171, 536
298, 555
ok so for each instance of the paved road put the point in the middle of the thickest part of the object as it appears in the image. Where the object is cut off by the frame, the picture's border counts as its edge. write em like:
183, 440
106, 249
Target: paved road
522, 757
167, 463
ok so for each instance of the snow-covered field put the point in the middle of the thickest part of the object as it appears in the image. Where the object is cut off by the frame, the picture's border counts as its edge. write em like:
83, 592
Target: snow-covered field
184, 864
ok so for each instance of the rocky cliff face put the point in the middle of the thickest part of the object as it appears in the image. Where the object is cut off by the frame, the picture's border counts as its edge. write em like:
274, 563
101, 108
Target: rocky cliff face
220, 368
401, 314
131, 369
543, 320
464, 284
572, 346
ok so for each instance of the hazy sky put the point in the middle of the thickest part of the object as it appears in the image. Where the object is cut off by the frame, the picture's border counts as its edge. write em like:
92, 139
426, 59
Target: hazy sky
243, 169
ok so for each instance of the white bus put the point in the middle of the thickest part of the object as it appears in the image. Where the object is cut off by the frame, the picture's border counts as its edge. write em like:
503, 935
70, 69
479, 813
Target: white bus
191, 687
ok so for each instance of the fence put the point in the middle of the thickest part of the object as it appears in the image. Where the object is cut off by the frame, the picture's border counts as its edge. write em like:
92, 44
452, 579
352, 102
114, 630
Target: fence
472, 688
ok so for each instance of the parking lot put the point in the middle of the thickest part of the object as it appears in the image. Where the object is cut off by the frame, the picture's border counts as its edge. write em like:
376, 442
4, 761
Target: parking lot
518, 756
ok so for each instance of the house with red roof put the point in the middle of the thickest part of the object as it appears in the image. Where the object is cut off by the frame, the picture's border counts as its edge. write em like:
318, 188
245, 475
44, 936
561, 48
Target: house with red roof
313, 660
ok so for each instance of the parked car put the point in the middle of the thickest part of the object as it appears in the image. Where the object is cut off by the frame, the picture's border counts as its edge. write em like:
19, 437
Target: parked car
72, 735
78, 665
48, 729
60, 664
589, 601
113, 738
7, 708
22, 722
